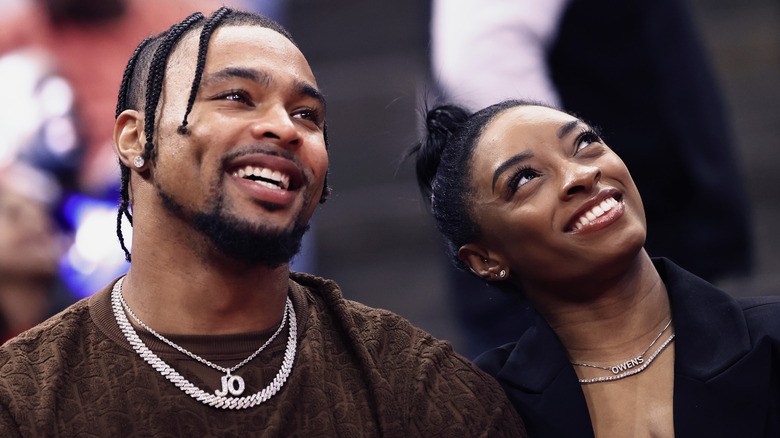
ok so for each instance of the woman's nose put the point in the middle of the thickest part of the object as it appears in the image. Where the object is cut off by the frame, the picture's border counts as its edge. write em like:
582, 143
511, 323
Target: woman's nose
578, 178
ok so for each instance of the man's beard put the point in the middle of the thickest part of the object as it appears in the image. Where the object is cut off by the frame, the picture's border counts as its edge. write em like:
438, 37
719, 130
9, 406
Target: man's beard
240, 240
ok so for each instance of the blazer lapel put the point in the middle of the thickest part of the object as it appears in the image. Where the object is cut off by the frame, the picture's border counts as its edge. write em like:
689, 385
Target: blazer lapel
719, 375
540, 382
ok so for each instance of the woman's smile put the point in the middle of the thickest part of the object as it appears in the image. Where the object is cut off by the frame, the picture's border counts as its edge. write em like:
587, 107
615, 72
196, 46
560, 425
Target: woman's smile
600, 212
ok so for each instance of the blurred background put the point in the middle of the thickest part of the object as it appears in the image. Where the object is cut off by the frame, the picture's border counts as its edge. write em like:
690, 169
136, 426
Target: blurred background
372, 60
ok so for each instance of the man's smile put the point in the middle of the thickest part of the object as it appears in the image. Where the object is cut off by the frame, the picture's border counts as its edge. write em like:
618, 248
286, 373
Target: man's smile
264, 176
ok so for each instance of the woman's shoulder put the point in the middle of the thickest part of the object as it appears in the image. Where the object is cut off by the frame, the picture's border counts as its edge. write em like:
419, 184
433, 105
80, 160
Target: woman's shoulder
762, 315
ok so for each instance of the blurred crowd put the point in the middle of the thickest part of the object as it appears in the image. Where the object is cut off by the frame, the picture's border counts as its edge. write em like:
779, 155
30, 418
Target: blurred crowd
61, 62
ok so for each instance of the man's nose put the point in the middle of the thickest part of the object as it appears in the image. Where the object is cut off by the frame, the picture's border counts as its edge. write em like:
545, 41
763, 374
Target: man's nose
275, 123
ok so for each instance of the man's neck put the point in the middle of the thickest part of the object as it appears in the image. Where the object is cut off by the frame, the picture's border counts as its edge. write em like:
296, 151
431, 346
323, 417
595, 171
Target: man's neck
186, 294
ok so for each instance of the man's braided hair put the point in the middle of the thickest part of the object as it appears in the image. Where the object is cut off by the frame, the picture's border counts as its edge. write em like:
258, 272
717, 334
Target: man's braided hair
143, 80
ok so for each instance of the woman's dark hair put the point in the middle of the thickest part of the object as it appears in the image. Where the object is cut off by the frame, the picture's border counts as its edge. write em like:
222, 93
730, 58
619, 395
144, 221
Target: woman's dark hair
443, 168
143, 80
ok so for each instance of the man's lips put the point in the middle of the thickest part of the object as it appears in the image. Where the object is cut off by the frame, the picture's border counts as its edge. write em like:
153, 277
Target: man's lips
273, 179
270, 180
269, 171
597, 213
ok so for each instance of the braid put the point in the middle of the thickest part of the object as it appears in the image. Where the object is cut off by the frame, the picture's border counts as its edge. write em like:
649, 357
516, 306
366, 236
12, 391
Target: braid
205, 36
124, 209
156, 75
156, 71
121, 102
121, 105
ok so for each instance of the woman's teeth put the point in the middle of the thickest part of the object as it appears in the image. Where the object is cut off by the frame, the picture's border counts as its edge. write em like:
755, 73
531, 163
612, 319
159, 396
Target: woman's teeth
598, 210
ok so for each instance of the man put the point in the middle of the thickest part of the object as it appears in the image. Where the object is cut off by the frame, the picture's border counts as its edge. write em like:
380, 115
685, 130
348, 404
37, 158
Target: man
220, 134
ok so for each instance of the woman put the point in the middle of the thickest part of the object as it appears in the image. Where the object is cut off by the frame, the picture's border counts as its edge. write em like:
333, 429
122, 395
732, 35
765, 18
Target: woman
615, 343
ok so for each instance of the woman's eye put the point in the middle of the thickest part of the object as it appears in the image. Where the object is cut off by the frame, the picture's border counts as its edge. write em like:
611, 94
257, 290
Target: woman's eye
585, 140
523, 176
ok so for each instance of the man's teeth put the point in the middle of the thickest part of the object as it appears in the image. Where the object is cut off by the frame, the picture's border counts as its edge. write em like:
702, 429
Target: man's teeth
269, 178
598, 210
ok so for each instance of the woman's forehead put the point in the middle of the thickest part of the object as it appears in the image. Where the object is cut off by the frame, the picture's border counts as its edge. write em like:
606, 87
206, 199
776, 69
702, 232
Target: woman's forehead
527, 118
526, 129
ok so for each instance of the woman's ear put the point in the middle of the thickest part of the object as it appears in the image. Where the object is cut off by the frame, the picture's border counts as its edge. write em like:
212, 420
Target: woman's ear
128, 141
482, 263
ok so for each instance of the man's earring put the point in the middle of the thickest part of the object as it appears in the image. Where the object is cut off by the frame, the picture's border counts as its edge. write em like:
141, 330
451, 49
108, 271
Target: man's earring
502, 274
139, 162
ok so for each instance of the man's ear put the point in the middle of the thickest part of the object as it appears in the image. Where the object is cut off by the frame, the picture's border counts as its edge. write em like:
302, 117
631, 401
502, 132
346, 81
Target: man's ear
128, 141
482, 263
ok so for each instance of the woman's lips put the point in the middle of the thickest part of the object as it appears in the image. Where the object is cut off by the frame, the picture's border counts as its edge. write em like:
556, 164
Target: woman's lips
598, 215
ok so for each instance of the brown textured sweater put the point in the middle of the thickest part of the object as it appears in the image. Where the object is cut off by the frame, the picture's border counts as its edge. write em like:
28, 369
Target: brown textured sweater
358, 372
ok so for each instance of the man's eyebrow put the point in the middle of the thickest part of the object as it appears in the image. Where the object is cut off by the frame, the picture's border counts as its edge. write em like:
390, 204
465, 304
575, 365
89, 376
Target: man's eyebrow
522, 156
307, 89
565, 129
259, 76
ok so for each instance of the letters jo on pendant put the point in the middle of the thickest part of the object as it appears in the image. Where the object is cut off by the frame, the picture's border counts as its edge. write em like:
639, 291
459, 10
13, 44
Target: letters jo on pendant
233, 384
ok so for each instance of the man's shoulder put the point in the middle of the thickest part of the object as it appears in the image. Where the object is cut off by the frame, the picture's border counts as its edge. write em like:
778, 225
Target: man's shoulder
376, 328
34, 348
413, 372
389, 343
33, 367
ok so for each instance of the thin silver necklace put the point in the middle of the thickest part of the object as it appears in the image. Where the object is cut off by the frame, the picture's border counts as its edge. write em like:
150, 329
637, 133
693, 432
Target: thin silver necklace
232, 384
631, 366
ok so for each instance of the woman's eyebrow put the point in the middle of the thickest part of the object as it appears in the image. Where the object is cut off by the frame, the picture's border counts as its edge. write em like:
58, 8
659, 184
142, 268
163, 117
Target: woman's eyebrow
565, 129
522, 156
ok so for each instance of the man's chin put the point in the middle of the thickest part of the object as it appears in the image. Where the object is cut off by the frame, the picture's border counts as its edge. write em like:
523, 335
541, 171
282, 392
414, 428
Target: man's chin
242, 241
253, 245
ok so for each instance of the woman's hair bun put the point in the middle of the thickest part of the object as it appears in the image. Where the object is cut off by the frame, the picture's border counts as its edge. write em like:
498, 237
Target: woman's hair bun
441, 123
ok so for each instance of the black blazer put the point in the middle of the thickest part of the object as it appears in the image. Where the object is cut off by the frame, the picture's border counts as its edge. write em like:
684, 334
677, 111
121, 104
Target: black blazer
727, 366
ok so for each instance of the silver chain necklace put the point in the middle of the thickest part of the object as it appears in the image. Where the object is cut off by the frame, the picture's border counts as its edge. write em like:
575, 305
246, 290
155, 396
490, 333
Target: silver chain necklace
631, 366
230, 383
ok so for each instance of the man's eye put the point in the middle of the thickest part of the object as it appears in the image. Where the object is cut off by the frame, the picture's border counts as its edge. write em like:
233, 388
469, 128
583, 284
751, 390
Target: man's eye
239, 96
311, 115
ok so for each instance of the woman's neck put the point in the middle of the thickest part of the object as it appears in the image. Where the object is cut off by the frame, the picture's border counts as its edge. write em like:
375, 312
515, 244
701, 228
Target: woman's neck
623, 316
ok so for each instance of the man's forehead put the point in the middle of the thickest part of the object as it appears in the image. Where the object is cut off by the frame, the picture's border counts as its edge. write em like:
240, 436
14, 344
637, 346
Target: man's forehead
244, 44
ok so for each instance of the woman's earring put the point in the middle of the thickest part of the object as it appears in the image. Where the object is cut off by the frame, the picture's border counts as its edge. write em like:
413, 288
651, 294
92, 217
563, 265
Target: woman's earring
139, 162
502, 274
